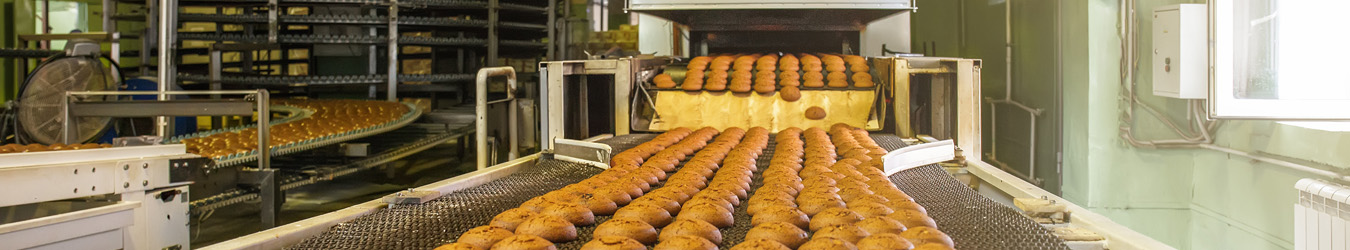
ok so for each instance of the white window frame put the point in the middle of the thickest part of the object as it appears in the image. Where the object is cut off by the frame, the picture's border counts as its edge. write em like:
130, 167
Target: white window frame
1224, 104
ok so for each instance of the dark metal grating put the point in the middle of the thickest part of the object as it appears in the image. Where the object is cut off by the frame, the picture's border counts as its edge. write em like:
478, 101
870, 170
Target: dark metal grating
973, 221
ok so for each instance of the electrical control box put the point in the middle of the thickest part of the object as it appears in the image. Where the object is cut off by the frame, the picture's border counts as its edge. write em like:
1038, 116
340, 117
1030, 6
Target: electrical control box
1180, 55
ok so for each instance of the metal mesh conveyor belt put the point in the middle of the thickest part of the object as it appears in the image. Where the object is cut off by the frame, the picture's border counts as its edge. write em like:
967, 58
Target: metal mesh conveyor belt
973, 222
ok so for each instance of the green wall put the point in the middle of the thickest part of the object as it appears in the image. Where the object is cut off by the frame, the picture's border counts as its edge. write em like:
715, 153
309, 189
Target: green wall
976, 29
1187, 198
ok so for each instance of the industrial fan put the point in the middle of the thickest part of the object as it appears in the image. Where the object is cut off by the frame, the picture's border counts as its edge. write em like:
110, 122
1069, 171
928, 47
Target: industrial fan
39, 110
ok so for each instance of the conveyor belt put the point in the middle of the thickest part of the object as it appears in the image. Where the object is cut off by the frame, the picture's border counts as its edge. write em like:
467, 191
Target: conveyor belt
974, 222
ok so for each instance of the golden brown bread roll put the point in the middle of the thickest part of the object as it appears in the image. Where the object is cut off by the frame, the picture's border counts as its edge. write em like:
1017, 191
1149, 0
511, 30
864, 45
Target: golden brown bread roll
848, 232
831, 59
664, 81
782, 232
765, 88
548, 227
927, 235
827, 243
721, 63
700, 62
458, 246
630, 228
760, 244
671, 206
837, 84
740, 86
813, 76
598, 205
807, 59
613, 243
524, 242
838, 67
881, 225
656, 216
934, 246
692, 84
571, 212
870, 209
692, 227
912, 219
484, 237
885, 241
788, 60
907, 205
815, 113
713, 214
685, 242
832, 217
512, 218
786, 214
790, 93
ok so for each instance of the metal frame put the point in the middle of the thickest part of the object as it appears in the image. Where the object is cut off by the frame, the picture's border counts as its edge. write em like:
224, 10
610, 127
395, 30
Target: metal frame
144, 177
480, 110
264, 176
626, 71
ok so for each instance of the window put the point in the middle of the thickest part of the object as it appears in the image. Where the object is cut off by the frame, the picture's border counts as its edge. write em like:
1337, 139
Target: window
1280, 59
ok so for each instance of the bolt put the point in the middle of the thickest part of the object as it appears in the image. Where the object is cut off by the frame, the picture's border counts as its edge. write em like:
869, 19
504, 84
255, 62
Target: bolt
126, 167
93, 188
145, 183
93, 170
77, 171
126, 184
77, 190
145, 165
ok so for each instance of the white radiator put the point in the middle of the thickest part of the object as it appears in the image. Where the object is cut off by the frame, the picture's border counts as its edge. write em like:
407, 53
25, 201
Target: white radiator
1320, 215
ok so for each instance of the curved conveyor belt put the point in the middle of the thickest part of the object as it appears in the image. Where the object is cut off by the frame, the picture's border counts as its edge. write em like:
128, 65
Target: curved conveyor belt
973, 221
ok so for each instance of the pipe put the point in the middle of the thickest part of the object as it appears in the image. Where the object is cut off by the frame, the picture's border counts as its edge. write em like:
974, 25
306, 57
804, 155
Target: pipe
1007, 98
167, 11
480, 111
1278, 162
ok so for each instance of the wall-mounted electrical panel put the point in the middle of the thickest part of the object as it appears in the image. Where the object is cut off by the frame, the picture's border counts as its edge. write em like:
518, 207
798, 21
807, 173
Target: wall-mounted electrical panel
1180, 57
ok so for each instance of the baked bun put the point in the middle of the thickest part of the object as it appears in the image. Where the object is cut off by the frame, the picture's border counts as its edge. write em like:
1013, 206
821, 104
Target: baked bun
524, 242
782, 232
713, 214
786, 214
827, 243
934, 246
837, 84
571, 212
815, 113
664, 81
484, 236
913, 219
656, 216
765, 88
548, 227
926, 235
671, 206
634, 229
685, 242
886, 241
511, 218
881, 225
458, 246
832, 217
701, 229
790, 93
848, 232
760, 244
869, 209
613, 243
